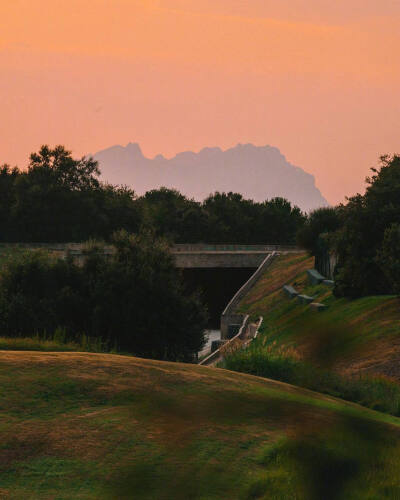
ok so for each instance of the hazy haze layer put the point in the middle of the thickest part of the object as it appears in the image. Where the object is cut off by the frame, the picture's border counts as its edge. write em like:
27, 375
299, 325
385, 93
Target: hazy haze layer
258, 173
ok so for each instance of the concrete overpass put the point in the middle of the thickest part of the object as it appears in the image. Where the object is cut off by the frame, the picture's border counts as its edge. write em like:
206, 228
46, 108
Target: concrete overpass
196, 256
228, 256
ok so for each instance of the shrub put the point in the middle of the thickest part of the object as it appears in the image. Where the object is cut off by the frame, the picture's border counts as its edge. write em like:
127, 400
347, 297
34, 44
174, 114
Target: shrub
134, 300
366, 220
319, 222
389, 256
283, 364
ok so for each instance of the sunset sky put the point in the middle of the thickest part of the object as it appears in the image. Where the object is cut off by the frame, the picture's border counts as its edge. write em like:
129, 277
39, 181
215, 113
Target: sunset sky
319, 79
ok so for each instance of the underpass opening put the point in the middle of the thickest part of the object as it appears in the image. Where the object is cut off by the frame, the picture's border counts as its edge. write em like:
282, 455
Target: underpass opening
217, 286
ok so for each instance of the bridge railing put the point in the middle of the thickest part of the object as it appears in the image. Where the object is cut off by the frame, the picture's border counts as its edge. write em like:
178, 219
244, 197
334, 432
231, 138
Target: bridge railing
229, 314
226, 247
215, 356
179, 247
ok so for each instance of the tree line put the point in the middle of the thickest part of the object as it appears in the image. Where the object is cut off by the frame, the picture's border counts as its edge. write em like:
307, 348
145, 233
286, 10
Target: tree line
136, 300
133, 301
363, 233
59, 198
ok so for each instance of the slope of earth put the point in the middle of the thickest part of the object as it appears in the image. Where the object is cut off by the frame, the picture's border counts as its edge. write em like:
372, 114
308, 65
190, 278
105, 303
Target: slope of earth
373, 323
94, 426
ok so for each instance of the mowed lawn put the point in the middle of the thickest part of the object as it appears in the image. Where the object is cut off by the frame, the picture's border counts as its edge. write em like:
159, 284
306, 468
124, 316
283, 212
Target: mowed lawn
94, 426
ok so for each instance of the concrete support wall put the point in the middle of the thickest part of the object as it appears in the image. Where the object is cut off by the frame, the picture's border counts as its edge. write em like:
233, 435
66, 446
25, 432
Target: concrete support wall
230, 316
228, 319
203, 255
186, 260
325, 263
216, 356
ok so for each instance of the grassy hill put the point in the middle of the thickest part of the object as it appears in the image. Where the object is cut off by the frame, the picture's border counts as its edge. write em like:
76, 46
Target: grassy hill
373, 323
94, 426
103, 426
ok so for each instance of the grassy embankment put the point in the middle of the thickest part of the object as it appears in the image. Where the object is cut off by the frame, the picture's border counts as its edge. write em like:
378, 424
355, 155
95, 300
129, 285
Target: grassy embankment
89, 426
350, 350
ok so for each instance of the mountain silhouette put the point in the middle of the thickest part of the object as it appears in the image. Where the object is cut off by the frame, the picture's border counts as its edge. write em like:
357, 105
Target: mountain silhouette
258, 173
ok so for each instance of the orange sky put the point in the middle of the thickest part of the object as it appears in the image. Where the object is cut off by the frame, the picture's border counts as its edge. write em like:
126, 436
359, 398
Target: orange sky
316, 78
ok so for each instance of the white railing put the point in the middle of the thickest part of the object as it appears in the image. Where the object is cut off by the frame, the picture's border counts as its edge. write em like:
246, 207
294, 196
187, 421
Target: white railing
216, 355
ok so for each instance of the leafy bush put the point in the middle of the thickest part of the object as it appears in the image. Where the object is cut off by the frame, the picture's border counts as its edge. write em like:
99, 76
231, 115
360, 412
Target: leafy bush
133, 299
319, 222
359, 242
389, 256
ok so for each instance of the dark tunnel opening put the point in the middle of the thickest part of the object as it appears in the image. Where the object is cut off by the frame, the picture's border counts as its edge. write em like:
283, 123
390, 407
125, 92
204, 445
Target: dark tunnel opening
217, 286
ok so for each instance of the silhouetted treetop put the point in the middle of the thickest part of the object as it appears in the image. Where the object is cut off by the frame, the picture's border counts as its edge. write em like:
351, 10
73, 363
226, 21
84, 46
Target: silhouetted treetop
60, 198
59, 165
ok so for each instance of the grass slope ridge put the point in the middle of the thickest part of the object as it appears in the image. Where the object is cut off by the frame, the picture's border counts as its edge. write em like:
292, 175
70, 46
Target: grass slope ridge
374, 321
83, 426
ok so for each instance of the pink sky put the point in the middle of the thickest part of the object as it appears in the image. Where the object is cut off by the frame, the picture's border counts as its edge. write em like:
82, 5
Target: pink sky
318, 79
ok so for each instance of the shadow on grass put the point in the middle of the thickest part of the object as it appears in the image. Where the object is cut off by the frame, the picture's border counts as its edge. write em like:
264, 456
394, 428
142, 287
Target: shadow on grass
342, 461
322, 346
178, 478
324, 456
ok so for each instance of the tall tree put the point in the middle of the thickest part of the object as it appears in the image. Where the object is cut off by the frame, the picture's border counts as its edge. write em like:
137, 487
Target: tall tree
365, 220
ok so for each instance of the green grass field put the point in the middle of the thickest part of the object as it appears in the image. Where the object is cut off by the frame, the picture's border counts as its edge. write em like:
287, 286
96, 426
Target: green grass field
94, 426
374, 322
103, 426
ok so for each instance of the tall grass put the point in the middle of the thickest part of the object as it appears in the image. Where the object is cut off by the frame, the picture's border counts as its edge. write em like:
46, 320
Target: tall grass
279, 363
57, 341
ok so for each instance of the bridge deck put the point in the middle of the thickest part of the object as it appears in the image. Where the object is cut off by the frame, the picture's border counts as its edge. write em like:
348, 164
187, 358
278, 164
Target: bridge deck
199, 255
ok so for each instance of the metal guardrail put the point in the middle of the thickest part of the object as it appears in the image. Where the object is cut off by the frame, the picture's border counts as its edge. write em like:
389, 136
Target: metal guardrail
246, 286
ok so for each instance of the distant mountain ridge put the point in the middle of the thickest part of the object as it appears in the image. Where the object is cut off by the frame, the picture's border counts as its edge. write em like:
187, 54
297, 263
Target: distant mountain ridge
257, 172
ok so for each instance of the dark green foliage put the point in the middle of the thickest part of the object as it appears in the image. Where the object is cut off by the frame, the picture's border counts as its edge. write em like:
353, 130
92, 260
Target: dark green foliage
319, 222
362, 235
7, 180
60, 199
170, 214
359, 241
230, 217
133, 300
221, 218
237, 220
389, 256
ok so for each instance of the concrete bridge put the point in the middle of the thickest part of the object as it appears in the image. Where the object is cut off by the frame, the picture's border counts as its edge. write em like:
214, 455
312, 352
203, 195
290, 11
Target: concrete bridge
228, 256
199, 255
